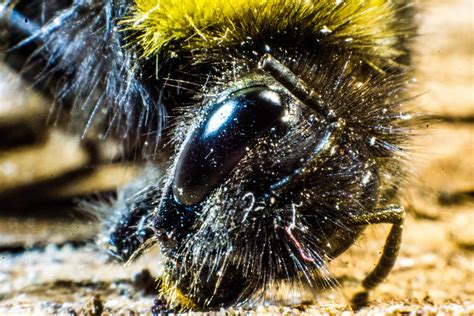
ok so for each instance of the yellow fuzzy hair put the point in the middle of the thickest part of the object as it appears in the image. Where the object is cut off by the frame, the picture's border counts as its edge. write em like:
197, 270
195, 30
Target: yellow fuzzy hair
173, 295
207, 23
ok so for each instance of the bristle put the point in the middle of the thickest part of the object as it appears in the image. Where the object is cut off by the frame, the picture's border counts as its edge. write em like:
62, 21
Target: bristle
197, 24
79, 55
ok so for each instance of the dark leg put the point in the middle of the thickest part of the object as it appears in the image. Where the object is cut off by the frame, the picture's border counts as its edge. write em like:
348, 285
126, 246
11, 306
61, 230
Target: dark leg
394, 215
128, 230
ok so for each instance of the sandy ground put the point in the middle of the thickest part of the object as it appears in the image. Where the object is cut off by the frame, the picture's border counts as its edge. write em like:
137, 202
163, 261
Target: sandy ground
49, 264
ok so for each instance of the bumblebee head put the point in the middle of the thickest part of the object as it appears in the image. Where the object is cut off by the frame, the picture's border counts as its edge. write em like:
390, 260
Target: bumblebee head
294, 125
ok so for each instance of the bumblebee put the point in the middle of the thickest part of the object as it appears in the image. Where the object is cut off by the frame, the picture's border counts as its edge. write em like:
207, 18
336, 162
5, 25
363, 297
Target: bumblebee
283, 124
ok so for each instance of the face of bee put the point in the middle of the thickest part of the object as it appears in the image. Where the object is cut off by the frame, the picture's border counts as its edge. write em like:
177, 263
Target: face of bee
262, 181
285, 140
287, 120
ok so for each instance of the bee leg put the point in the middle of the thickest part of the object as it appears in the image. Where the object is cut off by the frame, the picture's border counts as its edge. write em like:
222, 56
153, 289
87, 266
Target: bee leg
129, 232
394, 215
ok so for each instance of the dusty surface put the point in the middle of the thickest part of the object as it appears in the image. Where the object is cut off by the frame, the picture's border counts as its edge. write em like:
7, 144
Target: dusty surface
48, 263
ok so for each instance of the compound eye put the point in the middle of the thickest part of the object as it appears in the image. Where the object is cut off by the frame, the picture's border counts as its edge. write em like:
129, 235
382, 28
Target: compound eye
217, 145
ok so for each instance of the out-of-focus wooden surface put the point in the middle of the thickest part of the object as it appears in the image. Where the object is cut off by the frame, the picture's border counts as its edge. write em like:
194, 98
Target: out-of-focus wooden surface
435, 271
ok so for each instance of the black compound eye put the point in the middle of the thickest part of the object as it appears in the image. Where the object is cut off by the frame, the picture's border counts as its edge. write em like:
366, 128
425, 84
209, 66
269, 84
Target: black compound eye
217, 145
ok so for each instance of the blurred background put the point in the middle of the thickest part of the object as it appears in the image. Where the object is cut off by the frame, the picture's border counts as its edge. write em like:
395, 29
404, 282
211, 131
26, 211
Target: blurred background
48, 263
